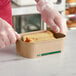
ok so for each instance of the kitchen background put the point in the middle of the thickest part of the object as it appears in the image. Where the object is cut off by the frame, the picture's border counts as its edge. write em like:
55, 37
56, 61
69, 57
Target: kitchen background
26, 18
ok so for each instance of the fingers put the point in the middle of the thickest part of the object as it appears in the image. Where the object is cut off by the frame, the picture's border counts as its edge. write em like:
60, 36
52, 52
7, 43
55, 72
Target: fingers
7, 34
51, 23
17, 35
52, 17
4, 38
56, 22
10, 29
8, 38
11, 36
53, 26
61, 23
2, 44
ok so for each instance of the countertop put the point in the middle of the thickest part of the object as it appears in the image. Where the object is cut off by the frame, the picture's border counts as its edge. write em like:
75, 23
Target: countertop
63, 64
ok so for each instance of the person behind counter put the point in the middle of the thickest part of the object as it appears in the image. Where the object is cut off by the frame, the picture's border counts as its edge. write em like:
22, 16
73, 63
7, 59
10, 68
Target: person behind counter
48, 13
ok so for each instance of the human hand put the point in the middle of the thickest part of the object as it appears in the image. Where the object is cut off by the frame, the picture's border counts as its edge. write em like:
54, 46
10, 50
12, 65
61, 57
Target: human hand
51, 16
7, 34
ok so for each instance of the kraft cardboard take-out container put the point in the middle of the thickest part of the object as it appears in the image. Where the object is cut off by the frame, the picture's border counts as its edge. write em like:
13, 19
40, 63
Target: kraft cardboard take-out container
38, 49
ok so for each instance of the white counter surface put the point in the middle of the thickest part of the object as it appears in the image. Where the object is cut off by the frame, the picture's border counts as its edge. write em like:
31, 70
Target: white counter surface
63, 64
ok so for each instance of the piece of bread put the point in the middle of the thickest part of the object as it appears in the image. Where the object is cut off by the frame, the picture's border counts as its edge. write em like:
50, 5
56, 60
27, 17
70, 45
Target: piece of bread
37, 37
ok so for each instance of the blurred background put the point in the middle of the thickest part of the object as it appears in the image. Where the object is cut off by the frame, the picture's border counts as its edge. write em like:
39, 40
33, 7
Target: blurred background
26, 18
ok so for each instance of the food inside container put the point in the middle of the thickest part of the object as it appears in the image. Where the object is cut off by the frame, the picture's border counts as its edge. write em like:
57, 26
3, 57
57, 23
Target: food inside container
38, 37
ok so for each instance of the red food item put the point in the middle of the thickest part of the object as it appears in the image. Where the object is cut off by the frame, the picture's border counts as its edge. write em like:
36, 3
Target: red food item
27, 40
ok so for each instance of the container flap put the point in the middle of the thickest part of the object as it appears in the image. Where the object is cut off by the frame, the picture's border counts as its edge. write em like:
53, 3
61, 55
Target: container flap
58, 35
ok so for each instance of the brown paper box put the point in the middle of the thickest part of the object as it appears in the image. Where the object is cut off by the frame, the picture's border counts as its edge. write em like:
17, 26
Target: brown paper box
37, 49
